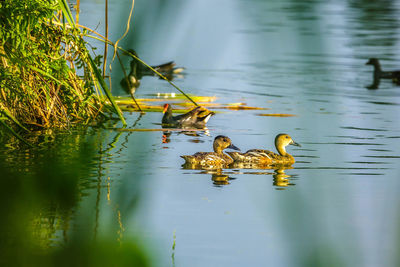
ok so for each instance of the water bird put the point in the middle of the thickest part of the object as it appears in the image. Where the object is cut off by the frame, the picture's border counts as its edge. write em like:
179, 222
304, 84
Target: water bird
380, 74
132, 81
197, 117
138, 70
266, 157
216, 159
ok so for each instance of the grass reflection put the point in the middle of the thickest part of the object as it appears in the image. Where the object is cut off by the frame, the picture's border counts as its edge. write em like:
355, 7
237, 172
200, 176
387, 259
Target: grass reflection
46, 219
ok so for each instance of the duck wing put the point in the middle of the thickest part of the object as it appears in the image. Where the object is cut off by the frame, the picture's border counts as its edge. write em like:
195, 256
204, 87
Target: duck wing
205, 159
253, 155
188, 118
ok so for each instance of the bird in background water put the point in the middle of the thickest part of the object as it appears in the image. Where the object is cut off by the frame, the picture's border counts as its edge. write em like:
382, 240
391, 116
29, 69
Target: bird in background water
138, 70
380, 74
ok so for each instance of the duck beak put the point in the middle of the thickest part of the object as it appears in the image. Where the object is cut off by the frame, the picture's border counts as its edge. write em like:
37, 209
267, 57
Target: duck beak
293, 143
232, 146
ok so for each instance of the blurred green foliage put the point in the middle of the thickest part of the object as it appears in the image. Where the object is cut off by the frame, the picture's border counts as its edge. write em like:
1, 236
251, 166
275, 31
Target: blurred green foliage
44, 221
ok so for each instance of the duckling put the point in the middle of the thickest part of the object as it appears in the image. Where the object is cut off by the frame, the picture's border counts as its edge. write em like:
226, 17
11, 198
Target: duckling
380, 74
212, 159
266, 157
197, 117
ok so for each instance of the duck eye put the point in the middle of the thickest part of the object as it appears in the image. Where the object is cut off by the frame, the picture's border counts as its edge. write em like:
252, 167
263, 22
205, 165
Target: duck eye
287, 136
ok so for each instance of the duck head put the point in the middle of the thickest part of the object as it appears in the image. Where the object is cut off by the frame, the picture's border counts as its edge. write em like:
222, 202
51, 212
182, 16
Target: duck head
167, 108
373, 61
222, 142
282, 141
167, 117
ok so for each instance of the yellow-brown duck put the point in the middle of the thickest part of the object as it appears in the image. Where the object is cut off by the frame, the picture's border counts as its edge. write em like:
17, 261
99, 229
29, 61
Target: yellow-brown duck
197, 117
213, 159
266, 157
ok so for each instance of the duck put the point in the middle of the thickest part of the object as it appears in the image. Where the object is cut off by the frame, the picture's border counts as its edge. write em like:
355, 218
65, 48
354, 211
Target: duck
138, 70
197, 117
131, 82
212, 159
266, 157
380, 74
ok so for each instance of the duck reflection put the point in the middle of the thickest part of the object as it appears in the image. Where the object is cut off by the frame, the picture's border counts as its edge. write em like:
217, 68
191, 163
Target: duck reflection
218, 176
281, 179
196, 133
137, 70
380, 74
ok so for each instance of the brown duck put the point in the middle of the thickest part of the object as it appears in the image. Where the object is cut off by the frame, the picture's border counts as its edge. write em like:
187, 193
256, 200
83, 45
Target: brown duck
266, 157
213, 159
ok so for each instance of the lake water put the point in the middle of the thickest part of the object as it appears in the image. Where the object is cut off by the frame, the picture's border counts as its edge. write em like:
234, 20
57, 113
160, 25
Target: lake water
338, 206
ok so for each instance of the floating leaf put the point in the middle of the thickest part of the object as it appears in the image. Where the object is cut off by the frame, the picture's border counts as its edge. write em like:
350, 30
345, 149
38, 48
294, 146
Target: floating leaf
179, 100
161, 130
277, 115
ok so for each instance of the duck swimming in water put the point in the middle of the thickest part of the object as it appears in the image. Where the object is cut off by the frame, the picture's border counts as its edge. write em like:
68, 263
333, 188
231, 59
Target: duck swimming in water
132, 81
212, 159
380, 74
266, 157
138, 70
197, 117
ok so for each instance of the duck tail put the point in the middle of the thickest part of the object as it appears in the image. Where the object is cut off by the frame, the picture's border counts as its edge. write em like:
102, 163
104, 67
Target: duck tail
204, 114
178, 70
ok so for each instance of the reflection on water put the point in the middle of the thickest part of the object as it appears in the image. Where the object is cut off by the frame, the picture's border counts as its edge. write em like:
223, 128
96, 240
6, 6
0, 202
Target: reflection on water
221, 177
281, 179
166, 136
44, 192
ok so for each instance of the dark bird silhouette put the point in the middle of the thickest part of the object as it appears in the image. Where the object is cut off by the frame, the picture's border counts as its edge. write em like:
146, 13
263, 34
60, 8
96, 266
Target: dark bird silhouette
138, 70
380, 74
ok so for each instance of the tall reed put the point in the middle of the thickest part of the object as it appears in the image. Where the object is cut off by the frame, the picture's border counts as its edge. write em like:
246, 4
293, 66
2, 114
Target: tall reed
40, 56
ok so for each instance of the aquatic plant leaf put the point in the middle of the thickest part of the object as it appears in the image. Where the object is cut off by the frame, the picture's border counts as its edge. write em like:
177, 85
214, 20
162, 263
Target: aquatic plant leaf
11, 117
67, 12
276, 115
